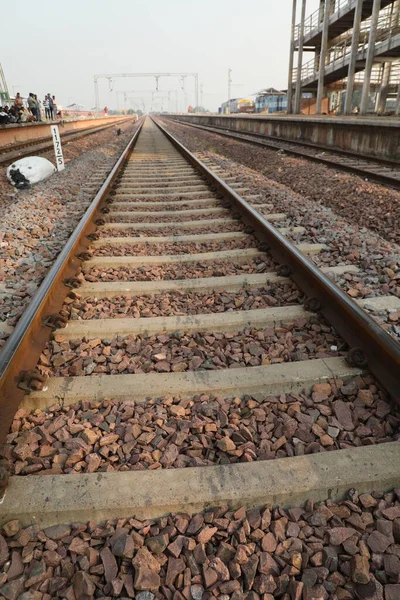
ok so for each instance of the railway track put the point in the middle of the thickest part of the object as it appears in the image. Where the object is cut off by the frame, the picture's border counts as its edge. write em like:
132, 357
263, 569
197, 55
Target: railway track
9, 154
171, 324
382, 171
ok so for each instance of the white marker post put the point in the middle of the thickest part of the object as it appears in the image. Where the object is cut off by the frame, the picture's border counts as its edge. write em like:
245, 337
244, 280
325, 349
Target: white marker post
57, 147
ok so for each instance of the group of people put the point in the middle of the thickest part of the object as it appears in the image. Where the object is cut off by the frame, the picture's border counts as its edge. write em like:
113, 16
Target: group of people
19, 113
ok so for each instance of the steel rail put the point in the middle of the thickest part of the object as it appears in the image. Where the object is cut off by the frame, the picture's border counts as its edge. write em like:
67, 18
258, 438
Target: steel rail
378, 177
369, 343
9, 154
21, 352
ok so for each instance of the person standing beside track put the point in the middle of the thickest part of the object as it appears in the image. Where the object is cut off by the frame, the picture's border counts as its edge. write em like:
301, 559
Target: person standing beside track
32, 104
46, 106
18, 101
38, 111
54, 108
50, 99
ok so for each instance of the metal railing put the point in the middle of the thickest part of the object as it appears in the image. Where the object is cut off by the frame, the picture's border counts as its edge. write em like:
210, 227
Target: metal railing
3, 83
315, 20
376, 74
338, 54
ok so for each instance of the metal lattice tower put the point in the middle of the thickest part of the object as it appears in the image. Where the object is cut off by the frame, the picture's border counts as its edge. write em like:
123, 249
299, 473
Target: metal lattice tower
4, 95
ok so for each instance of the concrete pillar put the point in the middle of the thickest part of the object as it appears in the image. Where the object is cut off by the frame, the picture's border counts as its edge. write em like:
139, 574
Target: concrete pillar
322, 57
300, 59
370, 56
291, 59
397, 105
353, 57
384, 88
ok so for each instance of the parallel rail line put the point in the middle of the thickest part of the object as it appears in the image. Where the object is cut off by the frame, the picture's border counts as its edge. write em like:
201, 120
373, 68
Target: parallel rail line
383, 171
9, 154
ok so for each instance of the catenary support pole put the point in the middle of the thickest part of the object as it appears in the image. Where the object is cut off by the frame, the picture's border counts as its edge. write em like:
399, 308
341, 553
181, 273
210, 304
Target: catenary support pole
196, 79
300, 59
229, 90
96, 94
353, 57
370, 57
291, 60
322, 57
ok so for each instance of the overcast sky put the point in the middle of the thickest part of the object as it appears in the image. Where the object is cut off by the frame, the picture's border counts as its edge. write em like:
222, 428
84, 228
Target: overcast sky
58, 49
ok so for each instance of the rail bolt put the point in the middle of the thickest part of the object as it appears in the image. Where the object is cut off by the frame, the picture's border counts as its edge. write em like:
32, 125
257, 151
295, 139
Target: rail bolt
31, 381
113, 193
109, 201
84, 256
284, 271
236, 216
105, 210
356, 358
263, 246
312, 304
57, 321
72, 282
72, 295
249, 229
93, 236
100, 222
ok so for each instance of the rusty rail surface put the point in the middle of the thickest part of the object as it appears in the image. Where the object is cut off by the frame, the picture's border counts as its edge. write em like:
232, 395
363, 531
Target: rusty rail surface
274, 143
369, 343
20, 354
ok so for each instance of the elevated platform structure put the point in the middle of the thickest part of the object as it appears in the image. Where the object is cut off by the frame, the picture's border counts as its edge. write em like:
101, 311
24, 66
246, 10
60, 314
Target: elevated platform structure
354, 42
24, 132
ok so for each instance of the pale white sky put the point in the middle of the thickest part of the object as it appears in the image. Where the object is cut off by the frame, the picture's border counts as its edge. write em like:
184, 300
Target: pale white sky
60, 49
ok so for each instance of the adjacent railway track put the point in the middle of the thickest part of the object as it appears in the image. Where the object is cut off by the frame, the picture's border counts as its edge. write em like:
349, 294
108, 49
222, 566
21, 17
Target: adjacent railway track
175, 287
9, 154
382, 171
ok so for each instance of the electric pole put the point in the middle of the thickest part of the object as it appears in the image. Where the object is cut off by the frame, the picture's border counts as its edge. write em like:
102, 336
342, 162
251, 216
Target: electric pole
229, 90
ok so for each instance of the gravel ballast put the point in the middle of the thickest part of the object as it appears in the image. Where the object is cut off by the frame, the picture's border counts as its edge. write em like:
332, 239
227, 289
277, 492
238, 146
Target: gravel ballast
149, 249
179, 230
330, 205
355, 199
170, 433
130, 217
38, 221
178, 303
178, 352
196, 270
345, 551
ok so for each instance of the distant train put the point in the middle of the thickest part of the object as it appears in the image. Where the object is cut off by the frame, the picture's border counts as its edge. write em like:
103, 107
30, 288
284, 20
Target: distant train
238, 105
267, 101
